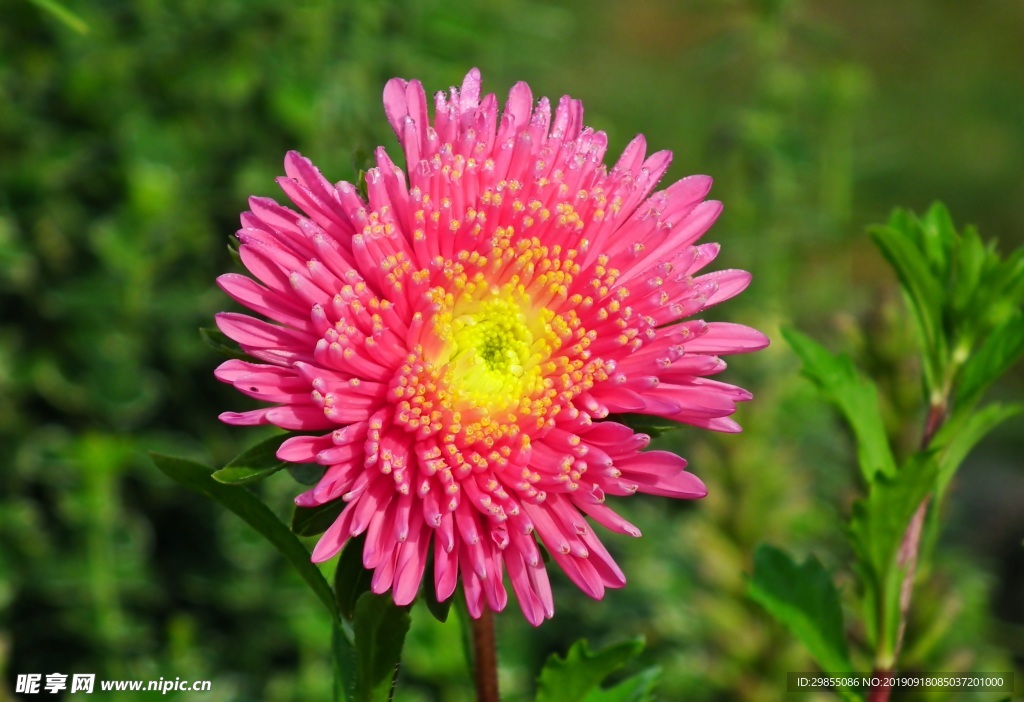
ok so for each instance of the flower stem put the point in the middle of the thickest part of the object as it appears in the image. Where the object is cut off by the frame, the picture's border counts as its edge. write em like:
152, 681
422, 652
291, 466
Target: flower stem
485, 657
879, 693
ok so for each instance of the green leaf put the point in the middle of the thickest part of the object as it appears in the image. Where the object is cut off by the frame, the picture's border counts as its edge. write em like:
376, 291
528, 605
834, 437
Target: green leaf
999, 291
804, 600
937, 239
901, 242
965, 301
239, 500
344, 664
313, 521
1010, 277
219, 342
855, 396
63, 14
880, 521
957, 437
380, 627
970, 265
572, 678
636, 688
877, 529
351, 579
254, 464
1000, 350
465, 624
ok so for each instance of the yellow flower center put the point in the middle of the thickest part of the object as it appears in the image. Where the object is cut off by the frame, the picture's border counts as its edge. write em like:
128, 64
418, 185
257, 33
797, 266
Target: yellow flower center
502, 349
492, 351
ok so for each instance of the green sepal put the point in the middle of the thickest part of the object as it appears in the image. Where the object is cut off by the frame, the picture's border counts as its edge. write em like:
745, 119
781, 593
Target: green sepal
306, 473
313, 521
651, 425
235, 250
439, 610
351, 579
219, 342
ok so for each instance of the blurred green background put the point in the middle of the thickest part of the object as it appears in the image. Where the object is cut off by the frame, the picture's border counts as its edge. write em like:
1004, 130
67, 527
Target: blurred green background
127, 152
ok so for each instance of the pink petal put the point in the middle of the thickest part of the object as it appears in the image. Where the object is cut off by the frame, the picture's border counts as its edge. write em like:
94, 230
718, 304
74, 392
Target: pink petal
726, 338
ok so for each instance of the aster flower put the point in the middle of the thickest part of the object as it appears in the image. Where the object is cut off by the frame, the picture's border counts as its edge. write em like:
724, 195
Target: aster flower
456, 342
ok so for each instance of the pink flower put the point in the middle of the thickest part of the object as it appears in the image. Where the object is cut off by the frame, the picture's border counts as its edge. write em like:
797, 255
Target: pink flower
461, 337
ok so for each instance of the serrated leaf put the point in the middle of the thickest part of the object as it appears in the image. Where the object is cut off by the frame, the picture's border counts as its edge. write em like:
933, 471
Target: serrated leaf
956, 438
572, 678
219, 342
938, 239
254, 464
1000, 350
970, 264
880, 521
900, 242
804, 599
379, 627
877, 529
313, 521
351, 579
1011, 272
1000, 288
239, 500
636, 688
855, 396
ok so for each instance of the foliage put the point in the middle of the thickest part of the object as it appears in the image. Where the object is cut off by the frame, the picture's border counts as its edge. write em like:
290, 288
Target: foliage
576, 677
804, 599
967, 303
